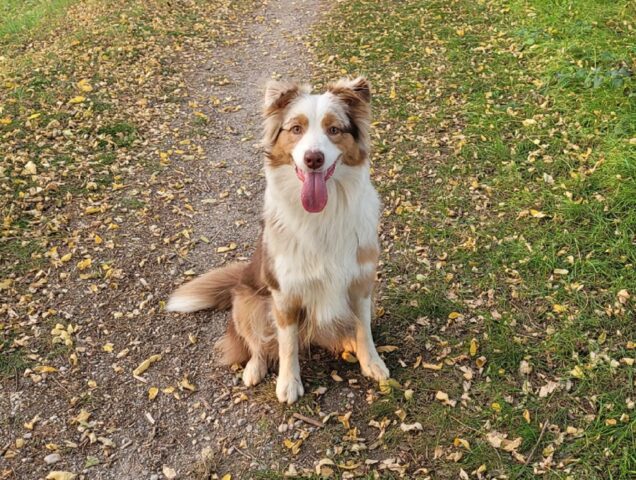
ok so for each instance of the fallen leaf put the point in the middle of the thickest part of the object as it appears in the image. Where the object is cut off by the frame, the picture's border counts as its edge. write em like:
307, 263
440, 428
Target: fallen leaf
432, 366
45, 369
169, 472
143, 366
84, 86
60, 475
417, 426
293, 446
185, 383
387, 348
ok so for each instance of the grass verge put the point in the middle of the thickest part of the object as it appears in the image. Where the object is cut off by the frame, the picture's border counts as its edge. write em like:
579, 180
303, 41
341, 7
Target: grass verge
505, 149
19, 17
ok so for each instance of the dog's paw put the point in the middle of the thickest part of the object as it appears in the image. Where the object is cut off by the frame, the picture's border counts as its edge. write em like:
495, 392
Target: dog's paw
289, 389
254, 371
375, 369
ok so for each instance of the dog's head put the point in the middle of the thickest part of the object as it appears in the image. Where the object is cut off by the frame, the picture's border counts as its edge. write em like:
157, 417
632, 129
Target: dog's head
316, 134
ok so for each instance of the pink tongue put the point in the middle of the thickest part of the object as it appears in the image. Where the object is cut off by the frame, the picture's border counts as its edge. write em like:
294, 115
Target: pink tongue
314, 192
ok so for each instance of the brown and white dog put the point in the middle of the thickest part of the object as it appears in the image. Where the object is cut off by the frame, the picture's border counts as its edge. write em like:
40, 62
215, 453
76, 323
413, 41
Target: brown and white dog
311, 278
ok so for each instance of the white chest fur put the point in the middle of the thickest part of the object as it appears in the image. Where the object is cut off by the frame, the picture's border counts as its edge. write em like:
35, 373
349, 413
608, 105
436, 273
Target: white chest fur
314, 255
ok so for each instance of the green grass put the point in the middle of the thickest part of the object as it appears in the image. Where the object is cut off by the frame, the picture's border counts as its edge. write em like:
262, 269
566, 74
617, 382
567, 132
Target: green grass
507, 130
12, 363
19, 17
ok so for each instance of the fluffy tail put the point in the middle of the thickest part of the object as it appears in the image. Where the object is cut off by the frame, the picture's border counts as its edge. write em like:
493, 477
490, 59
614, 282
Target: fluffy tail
210, 290
231, 346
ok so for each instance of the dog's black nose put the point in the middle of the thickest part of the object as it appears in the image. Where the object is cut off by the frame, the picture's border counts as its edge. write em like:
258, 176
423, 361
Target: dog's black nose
314, 159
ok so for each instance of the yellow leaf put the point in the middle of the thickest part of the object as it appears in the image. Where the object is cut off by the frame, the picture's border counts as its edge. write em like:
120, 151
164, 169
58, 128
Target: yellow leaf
392, 94
432, 366
84, 86
107, 347
97, 239
60, 475
92, 210
454, 315
558, 308
293, 446
84, 264
496, 407
227, 476
474, 346
143, 366
230, 247
5, 121
82, 417
460, 442
45, 369
78, 99
537, 213
481, 361
31, 425
388, 385
185, 383
441, 396
526, 415
33, 116
577, 372
387, 348
152, 393
66, 258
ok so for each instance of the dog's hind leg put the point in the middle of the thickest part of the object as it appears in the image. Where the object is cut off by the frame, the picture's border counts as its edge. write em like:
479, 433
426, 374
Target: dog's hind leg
250, 313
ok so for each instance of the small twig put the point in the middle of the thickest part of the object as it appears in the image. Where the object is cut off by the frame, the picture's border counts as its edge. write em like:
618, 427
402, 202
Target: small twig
311, 421
536, 445
466, 426
236, 449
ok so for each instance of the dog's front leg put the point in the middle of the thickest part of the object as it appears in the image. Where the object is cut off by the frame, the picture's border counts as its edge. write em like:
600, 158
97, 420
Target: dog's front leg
370, 362
289, 387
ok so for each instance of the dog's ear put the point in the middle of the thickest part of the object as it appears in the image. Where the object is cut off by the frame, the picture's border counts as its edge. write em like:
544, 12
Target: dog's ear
279, 95
352, 91
356, 96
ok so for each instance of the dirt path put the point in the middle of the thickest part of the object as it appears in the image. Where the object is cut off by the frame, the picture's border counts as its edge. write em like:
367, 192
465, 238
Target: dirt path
94, 416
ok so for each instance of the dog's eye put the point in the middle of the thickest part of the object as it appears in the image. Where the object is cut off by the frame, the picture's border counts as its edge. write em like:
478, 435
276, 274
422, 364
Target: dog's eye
296, 129
333, 131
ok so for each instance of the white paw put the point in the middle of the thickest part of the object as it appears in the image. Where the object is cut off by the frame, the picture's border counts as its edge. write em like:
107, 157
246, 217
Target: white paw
289, 389
254, 371
375, 369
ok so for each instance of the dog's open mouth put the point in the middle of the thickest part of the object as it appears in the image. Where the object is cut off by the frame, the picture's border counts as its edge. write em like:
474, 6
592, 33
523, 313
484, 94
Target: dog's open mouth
314, 191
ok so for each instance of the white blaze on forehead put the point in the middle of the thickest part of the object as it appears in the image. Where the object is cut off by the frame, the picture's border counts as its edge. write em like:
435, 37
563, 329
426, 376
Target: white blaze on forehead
314, 108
